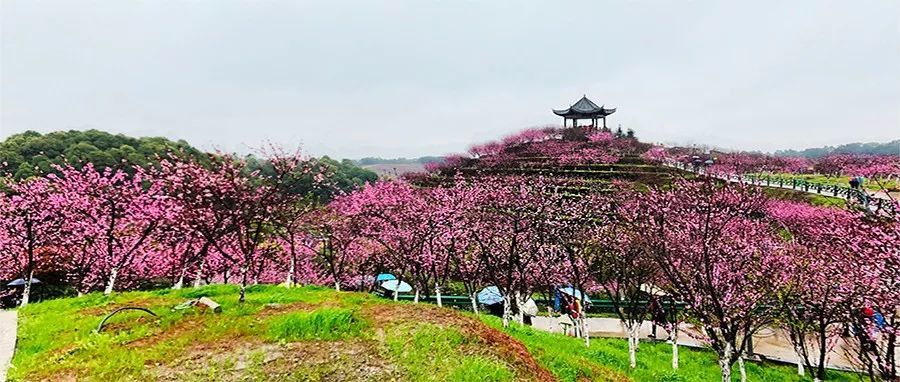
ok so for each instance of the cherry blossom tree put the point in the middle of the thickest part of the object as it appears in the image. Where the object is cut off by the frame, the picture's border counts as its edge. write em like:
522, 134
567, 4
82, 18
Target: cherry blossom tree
30, 229
290, 172
446, 251
336, 238
508, 214
199, 191
716, 254
110, 216
877, 314
574, 239
825, 280
871, 166
626, 268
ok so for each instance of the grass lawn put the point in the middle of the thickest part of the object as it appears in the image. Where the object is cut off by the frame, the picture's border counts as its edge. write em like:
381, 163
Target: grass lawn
607, 359
279, 334
313, 334
870, 184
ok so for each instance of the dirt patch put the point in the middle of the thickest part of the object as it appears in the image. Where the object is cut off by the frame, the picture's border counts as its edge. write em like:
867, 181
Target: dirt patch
245, 358
188, 324
507, 348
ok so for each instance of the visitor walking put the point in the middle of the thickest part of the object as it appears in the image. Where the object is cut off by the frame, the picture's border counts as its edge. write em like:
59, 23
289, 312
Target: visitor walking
658, 316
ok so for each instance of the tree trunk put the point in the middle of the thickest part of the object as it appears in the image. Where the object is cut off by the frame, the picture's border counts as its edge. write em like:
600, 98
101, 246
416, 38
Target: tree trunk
507, 312
520, 315
725, 363
474, 298
289, 281
397, 291
180, 283
742, 369
637, 337
800, 370
581, 322
26, 291
584, 329
337, 285
114, 272
437, 294
416, 297
243, 284
675, 347
292, 277
632, 346
823, 353
199, 275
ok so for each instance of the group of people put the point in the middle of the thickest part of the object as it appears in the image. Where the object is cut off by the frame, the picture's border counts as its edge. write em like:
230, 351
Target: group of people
570, 310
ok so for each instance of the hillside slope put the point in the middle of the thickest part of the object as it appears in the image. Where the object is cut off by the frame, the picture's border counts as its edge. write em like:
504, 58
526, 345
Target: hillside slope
315, 334
278, 334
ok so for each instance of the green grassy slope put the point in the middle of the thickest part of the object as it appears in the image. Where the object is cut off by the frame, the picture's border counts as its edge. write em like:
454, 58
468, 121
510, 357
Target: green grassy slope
570, 360
279, 334
313, 334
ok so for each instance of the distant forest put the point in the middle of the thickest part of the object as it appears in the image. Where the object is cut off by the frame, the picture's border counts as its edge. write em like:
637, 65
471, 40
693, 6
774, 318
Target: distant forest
887, 148
33, 154
376, 160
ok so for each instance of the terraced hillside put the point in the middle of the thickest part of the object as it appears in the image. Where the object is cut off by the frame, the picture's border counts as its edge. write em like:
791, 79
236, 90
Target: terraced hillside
579, 160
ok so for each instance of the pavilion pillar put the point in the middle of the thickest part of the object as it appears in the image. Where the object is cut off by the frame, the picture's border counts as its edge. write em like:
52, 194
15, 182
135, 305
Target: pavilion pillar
604, 122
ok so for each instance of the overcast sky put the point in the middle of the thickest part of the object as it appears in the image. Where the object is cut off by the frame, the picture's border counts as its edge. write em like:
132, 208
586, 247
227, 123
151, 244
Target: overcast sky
410, 78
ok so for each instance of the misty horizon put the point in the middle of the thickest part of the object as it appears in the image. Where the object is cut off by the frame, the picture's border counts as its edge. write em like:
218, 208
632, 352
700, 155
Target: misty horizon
411, 79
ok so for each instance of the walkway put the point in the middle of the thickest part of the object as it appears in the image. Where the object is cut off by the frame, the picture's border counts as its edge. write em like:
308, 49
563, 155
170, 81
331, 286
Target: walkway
876, 201
8, 325
773, 344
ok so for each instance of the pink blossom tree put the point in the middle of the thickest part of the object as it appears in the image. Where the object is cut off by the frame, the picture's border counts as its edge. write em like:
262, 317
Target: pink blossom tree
289, 172
718, 256
335, 237
825, 280
396, 215
574, 227
625, 267
110, 216
31, 222
509, 212
199, 190
877, 314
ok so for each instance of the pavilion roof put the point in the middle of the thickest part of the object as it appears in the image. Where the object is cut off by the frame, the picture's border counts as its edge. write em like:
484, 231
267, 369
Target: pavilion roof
585, 108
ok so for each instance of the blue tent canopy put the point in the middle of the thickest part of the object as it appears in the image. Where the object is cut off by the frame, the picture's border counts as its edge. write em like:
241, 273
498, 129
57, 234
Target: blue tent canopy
20, 282
399, 286
490, 296
575, 293
384, 277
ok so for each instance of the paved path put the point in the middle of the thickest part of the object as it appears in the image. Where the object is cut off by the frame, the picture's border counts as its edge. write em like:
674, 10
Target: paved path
773, 344
878, 201
9, 320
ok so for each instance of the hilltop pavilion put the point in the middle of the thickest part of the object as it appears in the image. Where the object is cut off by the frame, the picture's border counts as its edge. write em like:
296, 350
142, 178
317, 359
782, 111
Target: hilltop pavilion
584, 109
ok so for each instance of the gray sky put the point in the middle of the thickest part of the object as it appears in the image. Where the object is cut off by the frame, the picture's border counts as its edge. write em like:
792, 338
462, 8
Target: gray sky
409, 78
